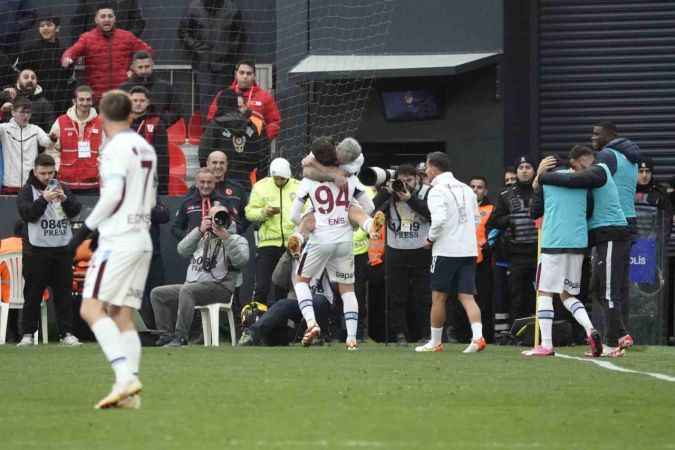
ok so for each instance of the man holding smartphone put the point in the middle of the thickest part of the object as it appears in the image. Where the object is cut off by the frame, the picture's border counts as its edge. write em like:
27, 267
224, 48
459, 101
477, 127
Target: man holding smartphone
47, 208
270, 206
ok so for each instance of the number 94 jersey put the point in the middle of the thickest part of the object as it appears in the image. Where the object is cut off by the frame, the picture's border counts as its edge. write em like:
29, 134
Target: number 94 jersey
128, 156
330, 205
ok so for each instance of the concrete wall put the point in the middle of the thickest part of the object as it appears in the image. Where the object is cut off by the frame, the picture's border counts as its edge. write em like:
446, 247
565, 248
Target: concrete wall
471, 128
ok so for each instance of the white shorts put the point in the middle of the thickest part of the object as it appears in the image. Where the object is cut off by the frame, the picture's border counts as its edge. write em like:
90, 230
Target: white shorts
336, 258
559, 272
117, 277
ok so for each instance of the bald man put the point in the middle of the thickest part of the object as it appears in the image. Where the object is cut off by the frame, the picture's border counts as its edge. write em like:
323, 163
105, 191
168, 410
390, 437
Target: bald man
235, 195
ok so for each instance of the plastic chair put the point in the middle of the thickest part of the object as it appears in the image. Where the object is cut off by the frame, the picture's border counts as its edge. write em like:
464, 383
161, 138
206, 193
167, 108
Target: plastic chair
211, 322
14, 262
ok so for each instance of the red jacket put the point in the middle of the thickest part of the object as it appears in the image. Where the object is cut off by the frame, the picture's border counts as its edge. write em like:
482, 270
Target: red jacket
106, 58
259, 102
74, 171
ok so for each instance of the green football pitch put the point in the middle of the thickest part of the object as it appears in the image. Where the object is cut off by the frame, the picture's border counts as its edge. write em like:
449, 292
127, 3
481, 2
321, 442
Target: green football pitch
328, 398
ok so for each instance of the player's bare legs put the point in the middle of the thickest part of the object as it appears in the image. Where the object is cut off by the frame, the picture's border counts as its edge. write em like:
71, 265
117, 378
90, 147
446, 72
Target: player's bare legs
304, 295
473, 314
350, 308
109, 337
131, 344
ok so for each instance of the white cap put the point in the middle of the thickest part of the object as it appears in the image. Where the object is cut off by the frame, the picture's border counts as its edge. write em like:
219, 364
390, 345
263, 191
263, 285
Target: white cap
280, 167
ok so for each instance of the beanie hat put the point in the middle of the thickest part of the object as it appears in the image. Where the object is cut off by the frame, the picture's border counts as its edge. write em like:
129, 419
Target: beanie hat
280, 167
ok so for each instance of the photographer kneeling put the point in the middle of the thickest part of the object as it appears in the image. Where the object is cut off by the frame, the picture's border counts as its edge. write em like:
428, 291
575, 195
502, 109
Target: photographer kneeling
218, 254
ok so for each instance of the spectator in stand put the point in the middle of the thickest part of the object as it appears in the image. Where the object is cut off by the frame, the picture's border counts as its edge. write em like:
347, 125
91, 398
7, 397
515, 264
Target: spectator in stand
43, 56
270, 206
236, 197
233, 133
149, 124
16, 16
512, 213
106, 50
47, 209
78, 136
20, 142
258, 101
212, 32
196, 204
162, 97
408, 223
129, 17
27, 86
510, 176
217, 256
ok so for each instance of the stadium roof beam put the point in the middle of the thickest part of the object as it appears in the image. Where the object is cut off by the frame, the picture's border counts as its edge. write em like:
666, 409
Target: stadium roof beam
336, 67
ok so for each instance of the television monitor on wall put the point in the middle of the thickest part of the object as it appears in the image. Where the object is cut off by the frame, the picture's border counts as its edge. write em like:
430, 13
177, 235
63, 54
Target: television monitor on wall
412, 104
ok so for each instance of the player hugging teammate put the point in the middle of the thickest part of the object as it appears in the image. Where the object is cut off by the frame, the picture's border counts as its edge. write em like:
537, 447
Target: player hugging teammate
336, 200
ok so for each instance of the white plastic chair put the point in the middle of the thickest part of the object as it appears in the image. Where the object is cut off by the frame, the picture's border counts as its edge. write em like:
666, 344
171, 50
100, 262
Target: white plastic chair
14, 263
211, 322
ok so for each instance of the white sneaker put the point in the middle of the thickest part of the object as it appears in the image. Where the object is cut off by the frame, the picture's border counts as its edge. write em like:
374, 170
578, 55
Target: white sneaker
120, 391
429, 347
477, 345
70, 340
26, 341
131, 402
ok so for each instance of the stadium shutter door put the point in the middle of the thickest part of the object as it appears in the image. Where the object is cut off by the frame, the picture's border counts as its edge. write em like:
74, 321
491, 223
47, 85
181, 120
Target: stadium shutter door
607, 60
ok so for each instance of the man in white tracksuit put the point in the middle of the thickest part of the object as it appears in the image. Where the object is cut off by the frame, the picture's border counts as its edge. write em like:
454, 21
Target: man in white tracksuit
452, 239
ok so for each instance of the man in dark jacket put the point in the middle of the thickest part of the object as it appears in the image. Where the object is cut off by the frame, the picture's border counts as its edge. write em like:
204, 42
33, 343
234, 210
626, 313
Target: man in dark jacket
150, 125
47, 209
162, 98
27, 87
129, 17
196, 204
42, 54
212, 31
248, 151
512, 214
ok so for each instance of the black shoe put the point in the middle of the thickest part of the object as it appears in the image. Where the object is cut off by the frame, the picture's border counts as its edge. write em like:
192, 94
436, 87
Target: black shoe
247, 339
164, 339
178, 341
401, 340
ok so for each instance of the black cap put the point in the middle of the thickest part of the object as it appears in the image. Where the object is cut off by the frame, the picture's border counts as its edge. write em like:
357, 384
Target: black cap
524, 159
646, 163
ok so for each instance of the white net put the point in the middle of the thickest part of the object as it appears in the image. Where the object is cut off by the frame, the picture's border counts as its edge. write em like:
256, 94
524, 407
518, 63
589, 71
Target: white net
195, 46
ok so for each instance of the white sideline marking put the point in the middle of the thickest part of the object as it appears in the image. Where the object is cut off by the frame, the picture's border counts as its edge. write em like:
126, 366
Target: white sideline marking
611, 366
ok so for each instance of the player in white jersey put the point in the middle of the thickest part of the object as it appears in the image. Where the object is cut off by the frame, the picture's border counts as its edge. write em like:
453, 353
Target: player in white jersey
330, 244
115, 280
350, 159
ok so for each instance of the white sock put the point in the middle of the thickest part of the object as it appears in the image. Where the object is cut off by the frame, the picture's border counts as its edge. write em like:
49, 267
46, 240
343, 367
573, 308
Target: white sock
304, 295
366, 224
477, 330
350, 308
131, 345
545, 316
108, 337
436, 336
579, 312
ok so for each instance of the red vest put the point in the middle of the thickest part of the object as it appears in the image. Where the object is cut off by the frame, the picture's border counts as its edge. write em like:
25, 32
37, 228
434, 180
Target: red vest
148, 127
75, 172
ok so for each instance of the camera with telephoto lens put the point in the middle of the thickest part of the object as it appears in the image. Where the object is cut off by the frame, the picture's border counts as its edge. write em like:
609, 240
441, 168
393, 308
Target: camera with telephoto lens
222, 219
376, 176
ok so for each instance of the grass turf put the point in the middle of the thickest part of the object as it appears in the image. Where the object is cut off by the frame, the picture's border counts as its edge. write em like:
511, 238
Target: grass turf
328, 398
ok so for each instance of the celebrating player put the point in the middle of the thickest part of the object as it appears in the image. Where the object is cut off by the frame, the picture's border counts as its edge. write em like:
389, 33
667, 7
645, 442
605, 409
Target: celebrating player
330, 244
114, 283
564, 242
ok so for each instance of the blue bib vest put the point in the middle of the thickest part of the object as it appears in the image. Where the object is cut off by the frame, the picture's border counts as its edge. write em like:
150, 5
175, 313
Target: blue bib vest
607, 211
625, 179
565, 225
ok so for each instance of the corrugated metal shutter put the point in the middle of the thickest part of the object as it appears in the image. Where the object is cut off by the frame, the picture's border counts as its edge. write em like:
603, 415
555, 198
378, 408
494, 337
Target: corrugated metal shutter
608, 60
